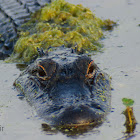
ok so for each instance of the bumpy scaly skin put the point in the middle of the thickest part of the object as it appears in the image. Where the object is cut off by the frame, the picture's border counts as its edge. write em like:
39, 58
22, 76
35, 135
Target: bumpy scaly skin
13, 13
66, 88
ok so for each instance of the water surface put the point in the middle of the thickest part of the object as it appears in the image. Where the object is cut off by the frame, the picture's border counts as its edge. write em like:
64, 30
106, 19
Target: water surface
120, 59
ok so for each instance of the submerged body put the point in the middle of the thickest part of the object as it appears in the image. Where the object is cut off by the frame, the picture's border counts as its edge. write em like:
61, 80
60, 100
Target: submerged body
13, 14
28, 24
66, 88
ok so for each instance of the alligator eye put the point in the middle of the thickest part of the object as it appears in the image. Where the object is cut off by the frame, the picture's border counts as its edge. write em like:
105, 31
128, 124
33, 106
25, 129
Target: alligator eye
42, 73
90, 70
46, 68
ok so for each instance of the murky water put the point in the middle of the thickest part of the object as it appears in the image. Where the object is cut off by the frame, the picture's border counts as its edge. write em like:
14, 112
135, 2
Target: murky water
120, 59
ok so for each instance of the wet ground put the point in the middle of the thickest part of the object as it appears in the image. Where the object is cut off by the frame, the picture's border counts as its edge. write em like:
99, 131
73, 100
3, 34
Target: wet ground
120, 59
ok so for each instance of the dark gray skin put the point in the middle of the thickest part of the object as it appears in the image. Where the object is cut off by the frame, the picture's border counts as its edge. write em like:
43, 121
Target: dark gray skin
13, 13
66, 88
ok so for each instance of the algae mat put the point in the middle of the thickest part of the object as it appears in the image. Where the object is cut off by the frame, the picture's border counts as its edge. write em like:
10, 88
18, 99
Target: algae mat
60, 23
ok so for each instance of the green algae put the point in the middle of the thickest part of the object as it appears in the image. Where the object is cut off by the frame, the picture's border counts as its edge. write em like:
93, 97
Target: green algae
59, 23
127, 102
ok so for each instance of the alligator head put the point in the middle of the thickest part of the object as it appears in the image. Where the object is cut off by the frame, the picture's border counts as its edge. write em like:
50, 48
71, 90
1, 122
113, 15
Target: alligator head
66, 88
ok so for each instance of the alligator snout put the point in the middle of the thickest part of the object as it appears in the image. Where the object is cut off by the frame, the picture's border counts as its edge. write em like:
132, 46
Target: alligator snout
78, 115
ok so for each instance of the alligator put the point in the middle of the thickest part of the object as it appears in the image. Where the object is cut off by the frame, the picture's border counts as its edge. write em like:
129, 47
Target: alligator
13, 13
66, 88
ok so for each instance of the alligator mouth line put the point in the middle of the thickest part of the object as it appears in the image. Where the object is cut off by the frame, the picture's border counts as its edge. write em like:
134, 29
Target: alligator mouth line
79, 125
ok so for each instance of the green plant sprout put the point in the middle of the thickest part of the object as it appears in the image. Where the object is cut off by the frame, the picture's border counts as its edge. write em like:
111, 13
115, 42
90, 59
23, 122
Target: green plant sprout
130, 122
127, 102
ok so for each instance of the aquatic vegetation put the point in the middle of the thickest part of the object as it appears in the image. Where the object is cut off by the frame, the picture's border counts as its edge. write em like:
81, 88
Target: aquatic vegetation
128, 102
56, 24
130, 122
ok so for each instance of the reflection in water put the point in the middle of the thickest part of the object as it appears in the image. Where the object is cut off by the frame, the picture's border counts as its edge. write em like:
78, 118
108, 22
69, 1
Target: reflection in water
128, 136
70, 131
109, 25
